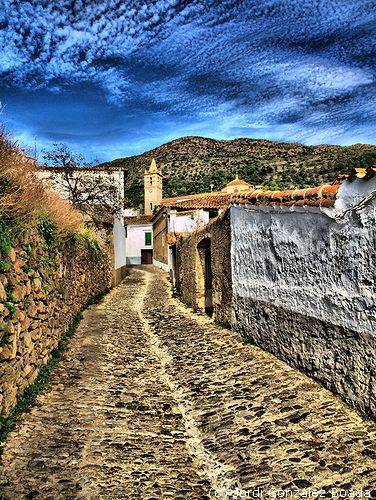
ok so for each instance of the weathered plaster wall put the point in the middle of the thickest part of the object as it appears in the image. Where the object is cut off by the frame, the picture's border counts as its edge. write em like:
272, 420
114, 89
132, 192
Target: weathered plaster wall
189, 279
41, 290
304, 289
119, 243
222, 276
181, 222
160, 247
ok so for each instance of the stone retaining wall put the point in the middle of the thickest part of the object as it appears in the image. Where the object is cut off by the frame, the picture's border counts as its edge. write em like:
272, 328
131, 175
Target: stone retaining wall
41, 290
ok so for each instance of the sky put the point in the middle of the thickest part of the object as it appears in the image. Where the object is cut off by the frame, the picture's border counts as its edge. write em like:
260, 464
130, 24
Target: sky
116, 78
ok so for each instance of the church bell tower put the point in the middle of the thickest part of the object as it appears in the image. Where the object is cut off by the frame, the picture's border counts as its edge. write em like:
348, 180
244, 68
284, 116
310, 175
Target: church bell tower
152, 188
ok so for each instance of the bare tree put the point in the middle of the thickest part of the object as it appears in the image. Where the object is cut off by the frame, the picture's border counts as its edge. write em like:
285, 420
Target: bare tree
95, 192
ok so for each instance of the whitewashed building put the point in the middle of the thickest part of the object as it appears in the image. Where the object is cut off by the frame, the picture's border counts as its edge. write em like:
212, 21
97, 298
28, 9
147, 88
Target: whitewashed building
62, 179
138, 240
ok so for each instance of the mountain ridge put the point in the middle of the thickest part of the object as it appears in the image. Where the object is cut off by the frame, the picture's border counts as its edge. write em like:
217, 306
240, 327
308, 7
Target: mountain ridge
191, 164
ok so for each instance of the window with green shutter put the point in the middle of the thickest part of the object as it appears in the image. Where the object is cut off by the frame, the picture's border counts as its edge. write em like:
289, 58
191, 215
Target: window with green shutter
147, 238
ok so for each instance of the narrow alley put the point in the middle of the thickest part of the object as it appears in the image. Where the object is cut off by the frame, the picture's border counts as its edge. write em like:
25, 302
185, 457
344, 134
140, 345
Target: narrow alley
153, 401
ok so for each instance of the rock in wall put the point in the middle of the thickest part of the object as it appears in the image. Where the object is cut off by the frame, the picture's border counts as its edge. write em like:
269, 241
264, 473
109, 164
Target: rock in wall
41, 290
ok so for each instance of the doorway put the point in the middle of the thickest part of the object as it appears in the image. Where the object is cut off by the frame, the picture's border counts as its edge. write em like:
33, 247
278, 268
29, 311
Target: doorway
205, 277
146, 256
174, 266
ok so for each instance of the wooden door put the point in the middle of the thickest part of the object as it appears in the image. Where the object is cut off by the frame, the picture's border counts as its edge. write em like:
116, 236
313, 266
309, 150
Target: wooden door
146, 256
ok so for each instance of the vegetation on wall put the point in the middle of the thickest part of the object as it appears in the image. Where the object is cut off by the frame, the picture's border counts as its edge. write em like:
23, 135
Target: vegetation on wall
51, 266
28, 207
26, 203
23, 196
192, 164
28, 397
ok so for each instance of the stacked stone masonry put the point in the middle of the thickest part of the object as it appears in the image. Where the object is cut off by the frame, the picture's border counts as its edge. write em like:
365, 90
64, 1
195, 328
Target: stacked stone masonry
190, 275
40, 293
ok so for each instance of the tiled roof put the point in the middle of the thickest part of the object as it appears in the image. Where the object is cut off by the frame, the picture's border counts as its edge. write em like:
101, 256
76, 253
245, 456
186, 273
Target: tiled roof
197, 201
320, 196
323, 196
168, 201
138, 219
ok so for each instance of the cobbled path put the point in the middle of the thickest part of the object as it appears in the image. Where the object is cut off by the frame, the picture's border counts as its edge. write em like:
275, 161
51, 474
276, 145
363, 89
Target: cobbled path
153, 401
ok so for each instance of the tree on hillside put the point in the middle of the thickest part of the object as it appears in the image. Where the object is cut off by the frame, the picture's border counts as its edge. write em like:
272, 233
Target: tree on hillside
96, 192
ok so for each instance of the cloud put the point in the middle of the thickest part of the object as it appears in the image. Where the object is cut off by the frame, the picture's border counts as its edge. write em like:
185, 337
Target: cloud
272, 66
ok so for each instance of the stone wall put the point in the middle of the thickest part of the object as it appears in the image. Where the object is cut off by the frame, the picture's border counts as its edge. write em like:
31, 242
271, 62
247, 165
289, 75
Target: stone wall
304, 289
41, 290
160, 248
190, 275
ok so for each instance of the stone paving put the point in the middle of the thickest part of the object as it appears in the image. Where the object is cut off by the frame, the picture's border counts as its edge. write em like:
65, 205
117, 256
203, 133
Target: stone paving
153, 401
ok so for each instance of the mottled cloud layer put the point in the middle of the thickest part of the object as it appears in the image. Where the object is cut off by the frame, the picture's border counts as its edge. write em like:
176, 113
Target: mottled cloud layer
117, 77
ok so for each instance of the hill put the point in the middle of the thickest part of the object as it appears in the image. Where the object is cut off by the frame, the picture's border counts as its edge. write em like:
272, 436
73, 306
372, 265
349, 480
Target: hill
191, 164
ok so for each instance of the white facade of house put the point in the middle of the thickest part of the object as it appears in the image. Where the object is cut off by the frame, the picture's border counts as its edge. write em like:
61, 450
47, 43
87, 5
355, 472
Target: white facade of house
136, 240
54, 178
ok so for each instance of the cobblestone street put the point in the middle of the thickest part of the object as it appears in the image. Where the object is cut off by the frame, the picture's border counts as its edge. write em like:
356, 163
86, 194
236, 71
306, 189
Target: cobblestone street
153, 401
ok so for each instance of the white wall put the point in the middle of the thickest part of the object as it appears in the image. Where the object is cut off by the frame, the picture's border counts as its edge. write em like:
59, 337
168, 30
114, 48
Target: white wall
304, 288
55, 179
131, 212
309, 261
135, 242
182, 223
119, 243
161, 265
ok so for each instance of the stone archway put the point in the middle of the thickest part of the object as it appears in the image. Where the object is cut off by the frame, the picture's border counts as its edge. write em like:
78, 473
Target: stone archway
204, 277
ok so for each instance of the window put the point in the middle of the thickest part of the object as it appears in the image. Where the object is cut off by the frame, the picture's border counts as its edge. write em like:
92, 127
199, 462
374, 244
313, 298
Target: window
147, 238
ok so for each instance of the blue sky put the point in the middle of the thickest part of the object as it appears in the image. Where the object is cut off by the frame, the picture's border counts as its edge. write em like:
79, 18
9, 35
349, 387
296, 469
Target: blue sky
116, 78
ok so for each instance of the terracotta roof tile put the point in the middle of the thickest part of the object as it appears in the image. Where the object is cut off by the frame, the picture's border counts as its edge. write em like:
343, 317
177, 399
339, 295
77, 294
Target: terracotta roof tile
322, 196
138, 219
237, 182
202, 200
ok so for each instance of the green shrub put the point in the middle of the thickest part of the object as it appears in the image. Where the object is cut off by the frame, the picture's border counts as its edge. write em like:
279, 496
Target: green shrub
47, 229
6, 238
4, 265
11, 307
87, 239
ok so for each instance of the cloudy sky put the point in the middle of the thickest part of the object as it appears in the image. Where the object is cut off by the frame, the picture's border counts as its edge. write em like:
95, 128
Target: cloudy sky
113, 78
